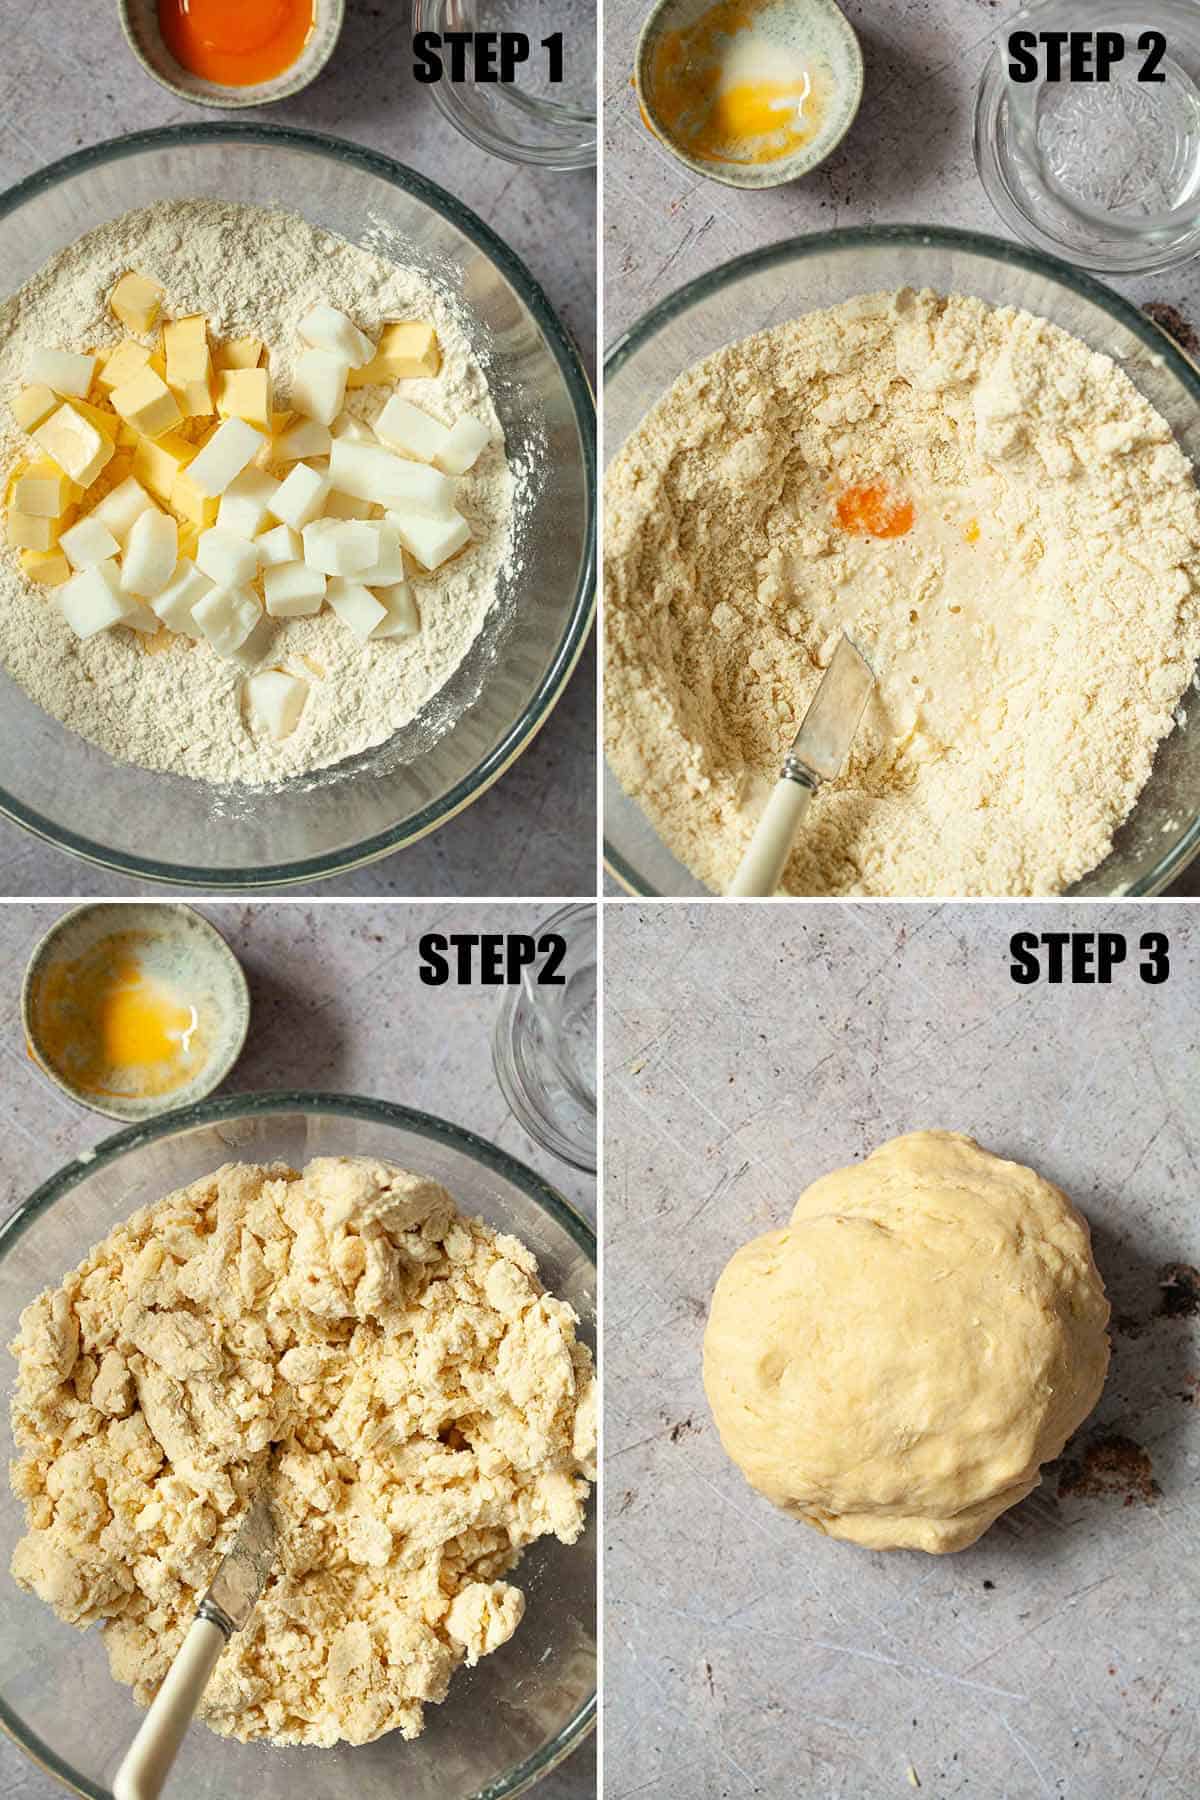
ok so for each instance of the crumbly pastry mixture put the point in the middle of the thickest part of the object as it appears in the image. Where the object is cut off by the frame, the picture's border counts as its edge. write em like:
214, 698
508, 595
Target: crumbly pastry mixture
420, 1407
996, 516
178, 708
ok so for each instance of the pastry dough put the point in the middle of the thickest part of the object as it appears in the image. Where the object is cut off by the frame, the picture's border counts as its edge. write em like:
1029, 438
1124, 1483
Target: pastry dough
894, 1366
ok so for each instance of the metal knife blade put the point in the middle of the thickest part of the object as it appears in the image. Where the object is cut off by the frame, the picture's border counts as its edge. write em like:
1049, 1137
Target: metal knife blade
243, 1573
827, 730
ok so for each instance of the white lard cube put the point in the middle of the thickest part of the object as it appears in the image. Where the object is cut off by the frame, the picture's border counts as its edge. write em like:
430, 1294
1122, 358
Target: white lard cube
293, 590
355, 606
150, 554
226, 617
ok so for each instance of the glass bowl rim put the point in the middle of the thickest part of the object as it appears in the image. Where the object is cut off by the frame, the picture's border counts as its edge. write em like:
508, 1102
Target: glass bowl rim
569, 648
225, 1107
944, 237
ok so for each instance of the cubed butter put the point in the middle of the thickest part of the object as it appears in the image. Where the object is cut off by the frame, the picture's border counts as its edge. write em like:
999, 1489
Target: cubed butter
239, 353
404, 427
355, 606
92, 601
233, 444
196, 510
30, 533
106, 423
431, 541
245, 394
226, 617
402, 619
340, 546
33, 404
159, 462
293, 590
282, 545
301, 497
306, 438
274, 702
148, 404
466, 440
246, 502
43, 490
137, 302
68, 372
325, 328
49, 568
371, 473
74, 443
405, 351
174, 604
120, 509
319, 385
89, 543
227, 560
150, 554
121, 364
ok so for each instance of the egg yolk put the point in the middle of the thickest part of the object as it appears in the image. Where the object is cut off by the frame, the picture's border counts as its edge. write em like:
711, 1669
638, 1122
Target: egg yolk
109, 1027
235, 42
874, 511
727, 93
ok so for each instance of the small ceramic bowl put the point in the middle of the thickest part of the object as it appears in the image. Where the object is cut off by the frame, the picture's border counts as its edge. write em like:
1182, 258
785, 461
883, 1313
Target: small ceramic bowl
204, 961
819, 27
143, 34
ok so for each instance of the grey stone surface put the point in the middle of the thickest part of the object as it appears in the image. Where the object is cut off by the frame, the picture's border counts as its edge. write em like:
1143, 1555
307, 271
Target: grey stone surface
907, 158
746, 1654
336, 1004
62, 87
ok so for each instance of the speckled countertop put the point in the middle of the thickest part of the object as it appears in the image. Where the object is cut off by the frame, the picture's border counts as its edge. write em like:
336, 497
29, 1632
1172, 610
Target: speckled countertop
62, 87
329, 988
746, 1654
906, 158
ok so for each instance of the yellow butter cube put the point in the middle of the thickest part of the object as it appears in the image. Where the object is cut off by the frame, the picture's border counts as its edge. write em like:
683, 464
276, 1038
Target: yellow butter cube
107, 423
189, 541
43, 490
239, 353
196, 509
245, 394
280, 422
148, 404
194, 398
28, 533
33, 404
190, 333
159, 462
120, 364
49, 568
136, 301
404, 351
127, 436
74, 443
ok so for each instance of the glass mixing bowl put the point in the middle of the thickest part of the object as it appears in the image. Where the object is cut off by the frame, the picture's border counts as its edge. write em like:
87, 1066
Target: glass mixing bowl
503, 1724
169, 828
768, 287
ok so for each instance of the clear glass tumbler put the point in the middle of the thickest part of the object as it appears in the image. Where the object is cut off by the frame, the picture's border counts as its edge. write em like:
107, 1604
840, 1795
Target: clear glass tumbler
544, 1045
1105, 172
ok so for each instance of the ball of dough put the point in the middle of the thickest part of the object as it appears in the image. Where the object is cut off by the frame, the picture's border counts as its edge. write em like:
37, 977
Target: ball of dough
895, 1364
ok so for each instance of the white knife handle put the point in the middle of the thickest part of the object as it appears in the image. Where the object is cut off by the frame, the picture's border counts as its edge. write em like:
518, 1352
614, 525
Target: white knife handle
771, 844
148, 1760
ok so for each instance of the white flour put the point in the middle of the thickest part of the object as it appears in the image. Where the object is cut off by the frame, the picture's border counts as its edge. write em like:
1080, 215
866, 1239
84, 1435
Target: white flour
1032, 627
178, 707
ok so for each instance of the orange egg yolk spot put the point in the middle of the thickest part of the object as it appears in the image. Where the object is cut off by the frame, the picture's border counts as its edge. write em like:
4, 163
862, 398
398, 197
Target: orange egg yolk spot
235, 42
103, 1022
971, 531
874, 511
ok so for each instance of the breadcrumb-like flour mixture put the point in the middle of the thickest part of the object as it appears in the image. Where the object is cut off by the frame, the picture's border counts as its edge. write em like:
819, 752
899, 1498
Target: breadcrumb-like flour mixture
177, 705
420, 1407
998, 518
